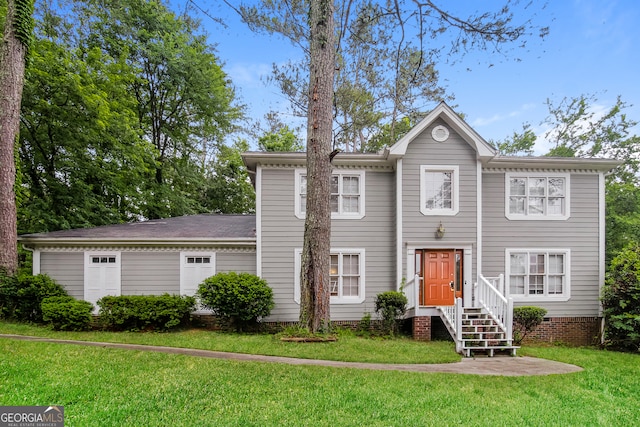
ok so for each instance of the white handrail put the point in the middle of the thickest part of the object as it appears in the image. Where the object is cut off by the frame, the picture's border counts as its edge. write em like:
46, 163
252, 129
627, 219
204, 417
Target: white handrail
410, 290
496, 304
453, 315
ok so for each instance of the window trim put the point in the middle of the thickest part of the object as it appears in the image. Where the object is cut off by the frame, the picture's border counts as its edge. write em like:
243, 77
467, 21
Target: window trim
565, 296
334, 215
334, 251
546, 217
455, 190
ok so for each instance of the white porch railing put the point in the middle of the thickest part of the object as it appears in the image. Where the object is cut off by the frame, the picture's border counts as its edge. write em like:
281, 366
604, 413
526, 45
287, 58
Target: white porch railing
411, 290
453, 316
490, 297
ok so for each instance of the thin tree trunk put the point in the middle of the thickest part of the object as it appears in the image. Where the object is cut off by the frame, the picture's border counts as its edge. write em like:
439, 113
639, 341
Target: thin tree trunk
12, 54
315, 281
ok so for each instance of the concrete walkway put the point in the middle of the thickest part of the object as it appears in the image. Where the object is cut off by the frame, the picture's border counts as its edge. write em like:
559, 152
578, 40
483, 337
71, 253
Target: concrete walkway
500, 365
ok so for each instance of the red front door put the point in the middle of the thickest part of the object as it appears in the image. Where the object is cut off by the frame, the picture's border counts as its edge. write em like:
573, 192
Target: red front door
439, 278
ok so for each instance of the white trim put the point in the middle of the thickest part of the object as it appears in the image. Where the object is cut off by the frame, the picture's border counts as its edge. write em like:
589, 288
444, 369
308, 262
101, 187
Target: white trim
479, 202
340, 173
565, 296
399, 239
545, 217
455, 189
297, 258
35, 265
601, 236
259, 221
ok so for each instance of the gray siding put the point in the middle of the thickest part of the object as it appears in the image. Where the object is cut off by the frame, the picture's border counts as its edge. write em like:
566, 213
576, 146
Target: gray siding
67, 268
282, 234
579, 234
150, 273
417, 227
241, 262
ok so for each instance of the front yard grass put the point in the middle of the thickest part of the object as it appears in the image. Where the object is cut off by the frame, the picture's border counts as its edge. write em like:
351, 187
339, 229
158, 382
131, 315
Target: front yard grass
113, 387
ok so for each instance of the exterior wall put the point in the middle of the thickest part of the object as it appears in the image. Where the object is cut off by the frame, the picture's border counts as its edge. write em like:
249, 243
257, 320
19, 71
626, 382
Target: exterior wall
150, 273
66, 268
579, 234
578, 331
460, 228
282, 234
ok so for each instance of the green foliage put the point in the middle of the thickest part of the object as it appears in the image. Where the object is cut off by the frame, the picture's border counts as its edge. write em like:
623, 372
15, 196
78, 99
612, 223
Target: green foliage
526, 319
241, 298
23, 23
145, 312
621, 300
364, 325
283, 140
391, 306
229, 188
21, 296
519, 144
67, 313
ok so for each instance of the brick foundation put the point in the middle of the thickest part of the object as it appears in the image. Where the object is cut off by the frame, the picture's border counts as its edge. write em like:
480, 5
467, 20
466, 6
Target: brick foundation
577, 331
422, 328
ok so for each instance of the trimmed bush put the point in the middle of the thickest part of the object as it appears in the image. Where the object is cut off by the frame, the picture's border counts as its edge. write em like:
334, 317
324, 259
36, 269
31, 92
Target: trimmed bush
621, 300
242, 299
21, 296
145, 312
67, 313
391, 306
526, 319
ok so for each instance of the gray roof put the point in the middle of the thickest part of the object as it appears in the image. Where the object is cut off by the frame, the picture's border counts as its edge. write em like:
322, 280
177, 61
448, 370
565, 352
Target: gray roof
198, 227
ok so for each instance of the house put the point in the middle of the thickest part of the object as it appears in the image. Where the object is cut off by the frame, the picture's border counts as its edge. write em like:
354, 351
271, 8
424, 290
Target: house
465, 233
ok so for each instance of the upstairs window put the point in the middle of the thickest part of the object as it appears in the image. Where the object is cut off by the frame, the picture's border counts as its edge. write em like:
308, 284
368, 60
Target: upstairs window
537, 197
347, 194
439, 190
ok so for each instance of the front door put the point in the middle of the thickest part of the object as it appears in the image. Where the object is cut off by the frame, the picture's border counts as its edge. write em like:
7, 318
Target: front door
440, 284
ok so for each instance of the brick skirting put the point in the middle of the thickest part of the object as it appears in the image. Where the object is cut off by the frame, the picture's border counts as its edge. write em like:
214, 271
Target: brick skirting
578, 331
422, 328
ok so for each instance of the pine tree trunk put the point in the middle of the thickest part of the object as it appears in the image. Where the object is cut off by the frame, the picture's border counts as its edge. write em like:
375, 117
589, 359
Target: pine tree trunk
12, 54
314, 281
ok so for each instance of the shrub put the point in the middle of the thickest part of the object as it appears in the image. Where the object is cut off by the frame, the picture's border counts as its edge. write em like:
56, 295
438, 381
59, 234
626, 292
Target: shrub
391, 306
621, 300
526, 319
67, 313
243, 299
144, 312
21, 296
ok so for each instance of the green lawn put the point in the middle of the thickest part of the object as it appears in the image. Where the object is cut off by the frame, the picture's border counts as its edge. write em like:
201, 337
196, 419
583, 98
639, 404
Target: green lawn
111, 387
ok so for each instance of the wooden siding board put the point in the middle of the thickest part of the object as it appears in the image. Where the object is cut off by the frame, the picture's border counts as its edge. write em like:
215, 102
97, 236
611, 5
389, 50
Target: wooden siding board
66, 268
500, 233
282, 233
240, 262
150, 273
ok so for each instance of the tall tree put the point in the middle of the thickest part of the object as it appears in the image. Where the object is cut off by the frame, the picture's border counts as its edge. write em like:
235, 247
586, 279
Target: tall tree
185, 103
16, 37
283, 140
315, 283
411, 62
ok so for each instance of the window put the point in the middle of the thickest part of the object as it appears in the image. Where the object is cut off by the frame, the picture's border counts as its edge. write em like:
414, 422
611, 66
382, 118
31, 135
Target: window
198, 260
538, 274
347, 194
346, 275
103, 260
537, 196
439, 190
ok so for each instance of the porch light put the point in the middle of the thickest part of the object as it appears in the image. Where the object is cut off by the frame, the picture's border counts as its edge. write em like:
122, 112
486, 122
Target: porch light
440, 231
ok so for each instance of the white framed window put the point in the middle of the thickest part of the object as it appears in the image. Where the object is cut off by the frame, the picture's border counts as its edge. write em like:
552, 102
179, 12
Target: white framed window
347, 194
346, 276
538, 274
537, 196
439, 189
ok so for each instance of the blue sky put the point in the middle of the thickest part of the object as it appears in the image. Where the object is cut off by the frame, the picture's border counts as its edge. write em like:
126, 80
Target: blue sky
593, 48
